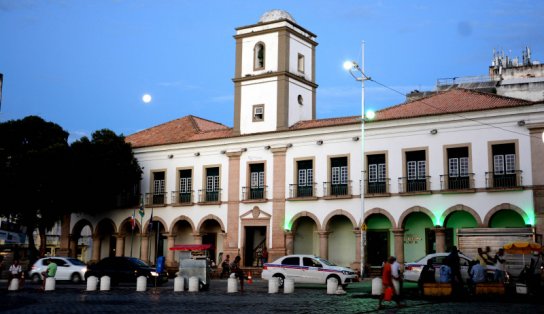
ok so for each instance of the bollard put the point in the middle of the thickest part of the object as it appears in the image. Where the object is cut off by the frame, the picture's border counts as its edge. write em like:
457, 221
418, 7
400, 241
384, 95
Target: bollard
232, 285
193, 284
141, 283
105, 283
273, 285
332, 285
288, 285
14, 284
179, 284
50, 284
377, 286
340, 290
92, 282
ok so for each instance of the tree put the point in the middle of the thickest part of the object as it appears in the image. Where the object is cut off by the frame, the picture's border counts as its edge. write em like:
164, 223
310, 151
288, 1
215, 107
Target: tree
34, 177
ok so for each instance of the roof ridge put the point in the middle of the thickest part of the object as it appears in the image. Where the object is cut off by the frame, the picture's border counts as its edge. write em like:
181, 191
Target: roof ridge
483, 93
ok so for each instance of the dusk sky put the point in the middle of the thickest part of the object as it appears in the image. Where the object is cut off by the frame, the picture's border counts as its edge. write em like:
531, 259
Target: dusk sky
85, 65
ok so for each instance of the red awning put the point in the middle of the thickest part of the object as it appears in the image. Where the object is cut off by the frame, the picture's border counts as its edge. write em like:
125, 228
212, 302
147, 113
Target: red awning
190, 247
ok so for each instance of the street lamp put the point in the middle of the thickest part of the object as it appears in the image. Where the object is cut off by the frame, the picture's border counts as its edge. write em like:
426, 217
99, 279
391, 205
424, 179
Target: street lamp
359, 75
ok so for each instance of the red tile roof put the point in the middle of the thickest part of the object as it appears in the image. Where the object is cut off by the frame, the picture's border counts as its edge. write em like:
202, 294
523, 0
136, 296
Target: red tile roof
191, 128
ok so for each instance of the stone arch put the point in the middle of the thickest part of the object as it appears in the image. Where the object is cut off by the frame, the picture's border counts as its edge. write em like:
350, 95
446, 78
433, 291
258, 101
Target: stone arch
127, 221
210, 217
305, 214
182, 218
338, 212
155, 218
380, 211
105, 221
414, 209
80, 225
504, 206
460, 207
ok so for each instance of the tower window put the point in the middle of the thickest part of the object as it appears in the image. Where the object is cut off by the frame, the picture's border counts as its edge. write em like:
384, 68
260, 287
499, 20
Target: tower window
300, 100
258, 113
300, 63
259, 52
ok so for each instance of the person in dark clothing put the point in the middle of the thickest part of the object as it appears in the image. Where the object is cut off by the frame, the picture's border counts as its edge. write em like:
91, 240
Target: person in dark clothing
427, 275
225, 267
237, 271
454, 262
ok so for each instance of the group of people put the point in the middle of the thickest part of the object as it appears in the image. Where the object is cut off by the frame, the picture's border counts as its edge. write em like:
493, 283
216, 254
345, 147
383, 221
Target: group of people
16, 272
392, 281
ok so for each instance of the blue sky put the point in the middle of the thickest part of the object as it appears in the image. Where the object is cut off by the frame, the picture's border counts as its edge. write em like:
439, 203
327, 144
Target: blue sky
86, 64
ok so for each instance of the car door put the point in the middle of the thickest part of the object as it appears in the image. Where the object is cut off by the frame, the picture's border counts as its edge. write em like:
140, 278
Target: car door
292, 268
63, 272
313, 271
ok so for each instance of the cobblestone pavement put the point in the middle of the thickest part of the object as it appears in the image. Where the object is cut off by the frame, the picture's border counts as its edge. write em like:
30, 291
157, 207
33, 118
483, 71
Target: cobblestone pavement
69, 298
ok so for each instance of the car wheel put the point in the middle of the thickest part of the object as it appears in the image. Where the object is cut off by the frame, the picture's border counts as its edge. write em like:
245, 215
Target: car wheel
76, 278
36, 278
281, 279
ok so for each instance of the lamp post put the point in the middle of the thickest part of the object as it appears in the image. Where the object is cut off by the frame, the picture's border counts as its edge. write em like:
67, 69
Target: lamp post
359, 75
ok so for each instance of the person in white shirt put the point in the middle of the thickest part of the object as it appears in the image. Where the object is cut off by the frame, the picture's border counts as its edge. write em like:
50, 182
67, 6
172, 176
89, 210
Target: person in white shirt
15, 271
396, 275
500, 264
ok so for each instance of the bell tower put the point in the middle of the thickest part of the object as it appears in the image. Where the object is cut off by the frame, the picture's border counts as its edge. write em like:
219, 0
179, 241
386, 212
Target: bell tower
274, 79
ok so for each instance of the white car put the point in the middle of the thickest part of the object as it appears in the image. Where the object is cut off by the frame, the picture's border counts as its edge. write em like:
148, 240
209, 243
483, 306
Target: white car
307, 269
67, 269
413, 270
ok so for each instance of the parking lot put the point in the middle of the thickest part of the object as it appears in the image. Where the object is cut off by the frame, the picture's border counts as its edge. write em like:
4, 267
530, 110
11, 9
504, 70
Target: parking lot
70, 298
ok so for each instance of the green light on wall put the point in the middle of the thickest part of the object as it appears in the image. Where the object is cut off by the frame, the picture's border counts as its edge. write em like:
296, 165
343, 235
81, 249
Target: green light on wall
287, 225
438, 221
530, 218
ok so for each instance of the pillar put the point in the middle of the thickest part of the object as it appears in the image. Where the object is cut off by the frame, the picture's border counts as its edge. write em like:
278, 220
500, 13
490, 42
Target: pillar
144, 255
357, 263
119, 244
230, 244
398, 234
96, 248
197, 238
171, 240
440, 236
289, 243
73, 245
64, 249
278, 248
324, 244
537, 169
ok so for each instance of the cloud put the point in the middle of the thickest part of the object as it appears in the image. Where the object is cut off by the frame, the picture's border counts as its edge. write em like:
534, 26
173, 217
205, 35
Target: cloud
179, 84
76, 135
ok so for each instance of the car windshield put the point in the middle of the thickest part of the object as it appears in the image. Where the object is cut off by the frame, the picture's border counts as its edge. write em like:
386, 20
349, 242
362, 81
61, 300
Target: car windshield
139, 262
324, 261
75, 261
420, 260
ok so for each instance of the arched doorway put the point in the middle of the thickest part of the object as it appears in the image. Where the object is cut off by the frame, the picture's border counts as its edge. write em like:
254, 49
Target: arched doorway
157, 241
342, 241
81, 240
378, 239
506, 218
104, 241
210, 230
457, 220
418, 240
130, 233
305, 237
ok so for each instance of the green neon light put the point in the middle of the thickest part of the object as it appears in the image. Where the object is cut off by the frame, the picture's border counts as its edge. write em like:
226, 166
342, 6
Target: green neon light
530, 218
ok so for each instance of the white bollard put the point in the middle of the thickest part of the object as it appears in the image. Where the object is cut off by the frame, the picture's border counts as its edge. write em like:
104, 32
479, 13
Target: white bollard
105, 282
193, 284
92, 282
340, 290
377, 286
141, 283
14, 284
332, 285
288, 285
232, 285
179, 284
50, 284
273, 285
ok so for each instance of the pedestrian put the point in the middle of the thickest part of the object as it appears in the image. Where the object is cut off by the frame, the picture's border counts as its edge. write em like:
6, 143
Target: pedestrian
396, 274
50, 271
500, 264
387, 281
237, 271
444, 274
15, 271
477, 275
225, 267
426, 276
264, 256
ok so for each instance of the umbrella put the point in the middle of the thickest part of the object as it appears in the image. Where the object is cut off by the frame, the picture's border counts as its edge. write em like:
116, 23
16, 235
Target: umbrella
522, 248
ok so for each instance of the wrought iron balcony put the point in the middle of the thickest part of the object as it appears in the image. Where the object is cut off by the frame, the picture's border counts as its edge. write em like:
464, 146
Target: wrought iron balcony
155, 199
182, 198
377, 187
421, 184
332, 190
211, 196
503, 180
257, 194
451, 183
302, 191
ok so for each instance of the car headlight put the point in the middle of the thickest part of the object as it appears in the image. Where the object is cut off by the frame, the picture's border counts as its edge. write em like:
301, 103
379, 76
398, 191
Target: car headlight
154, 273
84, 270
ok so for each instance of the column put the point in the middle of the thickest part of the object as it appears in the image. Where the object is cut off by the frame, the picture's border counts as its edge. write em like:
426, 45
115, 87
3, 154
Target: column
357, 264
324, 244
171, 240
64, 249
144, 256
537, 168
289, 243
96, 248
119, 244
398, 234
231, 244
440, 238
73, 245
278, 203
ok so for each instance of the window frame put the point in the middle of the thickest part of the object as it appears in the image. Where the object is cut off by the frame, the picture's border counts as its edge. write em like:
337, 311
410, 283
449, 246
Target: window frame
254, 113
256, 62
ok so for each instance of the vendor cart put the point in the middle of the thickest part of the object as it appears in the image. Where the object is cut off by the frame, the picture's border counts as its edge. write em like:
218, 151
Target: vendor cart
194, 262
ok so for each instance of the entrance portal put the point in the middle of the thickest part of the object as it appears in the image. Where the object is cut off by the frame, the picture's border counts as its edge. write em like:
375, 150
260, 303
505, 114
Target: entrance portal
377, 247
255, 241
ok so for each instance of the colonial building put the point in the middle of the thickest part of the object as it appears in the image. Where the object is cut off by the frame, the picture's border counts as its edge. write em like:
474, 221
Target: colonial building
434, 169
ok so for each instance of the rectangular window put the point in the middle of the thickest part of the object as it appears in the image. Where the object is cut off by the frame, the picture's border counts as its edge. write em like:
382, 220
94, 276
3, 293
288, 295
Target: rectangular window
339, 176
300, 63
185, 186
258, 113
256, 178
305, 184
212, 184
376, 174
159, 186
416, 171
504, 165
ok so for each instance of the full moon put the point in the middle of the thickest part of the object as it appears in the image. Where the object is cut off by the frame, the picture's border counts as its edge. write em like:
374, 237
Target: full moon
146, 98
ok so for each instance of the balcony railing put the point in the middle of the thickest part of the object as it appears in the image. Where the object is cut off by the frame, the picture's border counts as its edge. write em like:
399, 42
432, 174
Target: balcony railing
336, 189
448, 182
182, 198
249, 193
502, 180
415, 185
377, 187
302, 191
212, 196
155, 199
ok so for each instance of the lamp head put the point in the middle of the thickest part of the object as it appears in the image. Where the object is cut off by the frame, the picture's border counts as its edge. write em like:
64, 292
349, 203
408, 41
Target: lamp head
348, 65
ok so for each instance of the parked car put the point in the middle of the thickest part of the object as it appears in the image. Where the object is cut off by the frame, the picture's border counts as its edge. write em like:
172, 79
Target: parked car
125, 269
67, 269
413, 270
307, 269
